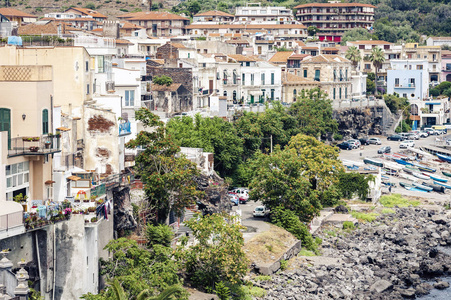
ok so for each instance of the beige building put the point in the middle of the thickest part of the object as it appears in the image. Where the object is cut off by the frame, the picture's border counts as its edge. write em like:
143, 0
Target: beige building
26, 120
412, 51
293, 86
333, 72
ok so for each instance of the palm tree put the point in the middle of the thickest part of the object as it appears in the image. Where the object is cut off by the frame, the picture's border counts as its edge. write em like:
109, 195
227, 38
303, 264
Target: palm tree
377, 57
353, 54
164, 295
118, 290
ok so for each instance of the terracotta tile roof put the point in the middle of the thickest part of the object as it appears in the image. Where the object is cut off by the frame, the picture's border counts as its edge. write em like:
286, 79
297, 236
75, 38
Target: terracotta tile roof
12, 12
164, 88
239, 57
214, 34
232, 34
280, 57
290, 78
246, 26
237, 42
371, 43
123, 42
298, 56
128, 25
446, 52
214, 13
300, 43
264, 41
37, 29
152, 15
74, 178
330, 49
87, 11
97, 30
334, 5
49, 182
325, 58
309, 48
158, 61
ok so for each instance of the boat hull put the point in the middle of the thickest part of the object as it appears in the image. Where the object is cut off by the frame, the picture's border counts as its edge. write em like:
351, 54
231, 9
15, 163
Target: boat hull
422, 187
438, 178
443, 184
444, 157
421, 176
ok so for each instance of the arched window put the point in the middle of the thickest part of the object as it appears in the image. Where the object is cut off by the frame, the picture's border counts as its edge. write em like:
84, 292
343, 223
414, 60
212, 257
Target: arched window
234, 95
45, 121
225, 93
294, 94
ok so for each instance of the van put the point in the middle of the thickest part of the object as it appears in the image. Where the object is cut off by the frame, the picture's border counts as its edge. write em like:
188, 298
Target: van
440, 129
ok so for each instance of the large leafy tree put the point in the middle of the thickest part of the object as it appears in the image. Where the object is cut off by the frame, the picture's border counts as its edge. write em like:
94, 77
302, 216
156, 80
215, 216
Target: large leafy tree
377, 57
168, 178
213, 135
218, 255
353, 54
313, 111
300, 178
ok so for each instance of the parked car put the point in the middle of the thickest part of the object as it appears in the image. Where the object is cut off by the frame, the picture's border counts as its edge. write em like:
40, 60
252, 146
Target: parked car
242, 194
260, 211
404, 135
413, 136
364, 141
376, 141
345, 146
384, 149
423, 134
407, 143
234, 199
395, 137
354, 143
440, 131
430, 131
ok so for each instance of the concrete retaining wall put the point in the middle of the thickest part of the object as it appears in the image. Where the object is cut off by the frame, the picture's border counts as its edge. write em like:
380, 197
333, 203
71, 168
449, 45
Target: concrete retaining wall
270, 268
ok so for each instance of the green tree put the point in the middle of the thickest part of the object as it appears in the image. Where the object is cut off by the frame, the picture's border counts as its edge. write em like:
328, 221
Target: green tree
193, 8
370, 86
218, 255
377, 57
442, 87
159, 235
168, 179
312, 30
118, 290
162, 80
353, 54
90, 5
351, 183
299, 178
356, 34
313, 112
164, 295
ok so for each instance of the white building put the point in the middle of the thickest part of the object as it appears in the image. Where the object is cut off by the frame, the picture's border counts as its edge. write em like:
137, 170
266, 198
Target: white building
255, 13
409, 79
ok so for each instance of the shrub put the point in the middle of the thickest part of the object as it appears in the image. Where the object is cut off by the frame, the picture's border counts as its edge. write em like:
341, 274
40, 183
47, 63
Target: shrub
283, 264
305, 252
124, 10
90, 5
159, 235
364, 217
348, 225
397, 200
162, 80
263, 278
222, 291
338, 137
387, 211
291, 223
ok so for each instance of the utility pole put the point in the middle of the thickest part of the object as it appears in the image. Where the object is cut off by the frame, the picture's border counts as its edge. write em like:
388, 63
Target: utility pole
271, 143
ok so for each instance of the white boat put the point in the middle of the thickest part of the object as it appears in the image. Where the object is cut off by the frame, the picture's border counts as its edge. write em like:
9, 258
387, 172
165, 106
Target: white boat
421, 176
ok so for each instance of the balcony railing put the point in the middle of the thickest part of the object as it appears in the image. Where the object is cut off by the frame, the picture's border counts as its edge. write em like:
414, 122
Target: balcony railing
42, 145
408, 85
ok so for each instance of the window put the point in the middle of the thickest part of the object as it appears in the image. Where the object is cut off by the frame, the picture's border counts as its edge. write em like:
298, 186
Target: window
100, 64
346, 93
248, 64
225, 77
5, 123
94, 86
272, 79
225, 93
244, 79
317, 75
404, 95
234, 76
411, 82
217, 76
334, 94
367, 66
305, 73
130, 98
346, 75
189, 55
252, 79
263, 78
272, 94
87, 89
419, 67
396, 81
45, 121
234, 95
87, 66
294, 94
339, 93
335, 75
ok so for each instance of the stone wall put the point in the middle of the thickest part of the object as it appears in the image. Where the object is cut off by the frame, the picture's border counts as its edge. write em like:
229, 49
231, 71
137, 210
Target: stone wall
178, 75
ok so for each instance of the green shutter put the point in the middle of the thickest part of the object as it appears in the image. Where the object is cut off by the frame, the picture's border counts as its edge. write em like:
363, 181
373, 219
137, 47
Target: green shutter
45, 121
5, 123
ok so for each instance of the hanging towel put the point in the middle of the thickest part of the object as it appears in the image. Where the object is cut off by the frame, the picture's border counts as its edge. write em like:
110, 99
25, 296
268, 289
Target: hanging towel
42, 211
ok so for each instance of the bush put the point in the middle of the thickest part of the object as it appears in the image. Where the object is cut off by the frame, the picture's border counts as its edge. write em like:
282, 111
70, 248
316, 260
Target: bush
162, 80
222, 291
348, 225
338, 137
90, 5
387, 211
159, 235
283, 264
364, 217
434, 92
291, 223
124, 10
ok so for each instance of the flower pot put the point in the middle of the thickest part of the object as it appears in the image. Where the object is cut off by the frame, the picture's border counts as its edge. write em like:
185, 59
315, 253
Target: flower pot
47, 145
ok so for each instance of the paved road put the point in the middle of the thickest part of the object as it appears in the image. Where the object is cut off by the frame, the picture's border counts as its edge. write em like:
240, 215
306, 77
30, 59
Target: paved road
254, 225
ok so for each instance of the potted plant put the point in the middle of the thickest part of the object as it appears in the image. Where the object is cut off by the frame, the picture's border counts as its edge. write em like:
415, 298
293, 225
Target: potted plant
35, 139
34, 149
86, 221
93, 219
91, 209
93, 198
47, 144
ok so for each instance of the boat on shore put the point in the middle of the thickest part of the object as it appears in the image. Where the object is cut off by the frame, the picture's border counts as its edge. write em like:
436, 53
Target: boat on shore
419, 175
446, 173
405, 185
424, 168
374, 162
442, 184
438, 178
422, 187
435, 187
444, 157
403, 162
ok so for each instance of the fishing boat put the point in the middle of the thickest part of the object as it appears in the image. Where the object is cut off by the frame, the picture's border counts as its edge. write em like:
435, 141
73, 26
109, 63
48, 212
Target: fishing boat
408, 171
446, 173
435, 187
437, 178
385, 177
405, 185
444, 157
403, 162
422, 187
424, 168
443, 184
419, 175
412, 168
375, 162
410, 187
426, 174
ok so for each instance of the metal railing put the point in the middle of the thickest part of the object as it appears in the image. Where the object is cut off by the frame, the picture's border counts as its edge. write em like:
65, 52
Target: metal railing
34, 145
11, 220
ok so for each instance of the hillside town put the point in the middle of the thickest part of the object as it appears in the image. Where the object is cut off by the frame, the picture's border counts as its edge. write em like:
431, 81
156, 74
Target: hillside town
146, 128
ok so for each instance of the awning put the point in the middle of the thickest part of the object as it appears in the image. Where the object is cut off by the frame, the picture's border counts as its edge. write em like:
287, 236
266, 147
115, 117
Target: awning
63, 129
432, 103
49, 182
74, 178
414, 118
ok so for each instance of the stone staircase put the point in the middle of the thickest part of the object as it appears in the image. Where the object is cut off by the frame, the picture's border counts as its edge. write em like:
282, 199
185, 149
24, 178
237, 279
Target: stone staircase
316, 223
394, 122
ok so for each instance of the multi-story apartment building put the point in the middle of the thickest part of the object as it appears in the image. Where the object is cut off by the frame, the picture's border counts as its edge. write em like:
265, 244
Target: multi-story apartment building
334, 19
409, 79
255, 13
158, 23
445, 75
432, 54
213, 17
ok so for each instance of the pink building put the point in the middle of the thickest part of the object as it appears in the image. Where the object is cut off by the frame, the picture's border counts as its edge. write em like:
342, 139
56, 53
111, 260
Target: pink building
446, 66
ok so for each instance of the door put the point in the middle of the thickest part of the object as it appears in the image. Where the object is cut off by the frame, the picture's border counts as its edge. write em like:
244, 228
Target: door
5, 123
210, 86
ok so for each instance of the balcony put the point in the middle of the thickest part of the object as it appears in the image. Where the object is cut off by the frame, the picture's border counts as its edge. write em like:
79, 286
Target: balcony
405, 86
42, 145
124, 128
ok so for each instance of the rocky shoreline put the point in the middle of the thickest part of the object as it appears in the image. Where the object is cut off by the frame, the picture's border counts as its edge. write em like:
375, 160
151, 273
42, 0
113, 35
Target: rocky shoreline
387, 259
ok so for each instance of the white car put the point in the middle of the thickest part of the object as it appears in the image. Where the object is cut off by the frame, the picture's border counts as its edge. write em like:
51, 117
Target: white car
242, 194
260, 211
376, 141
407, 143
